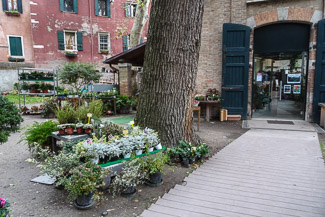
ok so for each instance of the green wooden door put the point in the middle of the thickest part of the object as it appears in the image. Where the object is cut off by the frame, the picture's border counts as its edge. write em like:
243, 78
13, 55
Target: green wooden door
319, 89
235, 68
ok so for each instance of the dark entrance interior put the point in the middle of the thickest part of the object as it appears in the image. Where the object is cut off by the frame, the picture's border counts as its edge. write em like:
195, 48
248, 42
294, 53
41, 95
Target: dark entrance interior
280, 71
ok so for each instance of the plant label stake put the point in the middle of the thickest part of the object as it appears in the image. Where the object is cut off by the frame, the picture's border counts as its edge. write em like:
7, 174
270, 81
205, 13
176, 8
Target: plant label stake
89, 115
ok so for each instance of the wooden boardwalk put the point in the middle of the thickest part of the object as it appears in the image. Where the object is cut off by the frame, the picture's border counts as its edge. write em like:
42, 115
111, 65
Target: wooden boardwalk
264, 173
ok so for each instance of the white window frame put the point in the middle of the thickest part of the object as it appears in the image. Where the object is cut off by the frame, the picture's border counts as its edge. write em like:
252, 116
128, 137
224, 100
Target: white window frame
75, 48
108, 41
130, 9
22, 44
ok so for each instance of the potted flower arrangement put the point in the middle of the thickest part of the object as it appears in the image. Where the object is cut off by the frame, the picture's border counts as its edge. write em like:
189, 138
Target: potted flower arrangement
199, 98
79, 127
24, 88
35, 109
202, 151
24, 109
83, 183
104, 51
153, 167
4, 207
185, 151
127, 181
71, 53
88, 128
61, 129
70, 128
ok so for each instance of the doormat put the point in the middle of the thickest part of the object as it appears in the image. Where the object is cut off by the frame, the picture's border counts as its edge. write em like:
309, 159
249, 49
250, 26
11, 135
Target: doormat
280, 122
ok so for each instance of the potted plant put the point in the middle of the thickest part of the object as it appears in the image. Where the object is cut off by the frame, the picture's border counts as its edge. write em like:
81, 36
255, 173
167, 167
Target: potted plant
88, 128
70, 128
71, 53
61, 129
185, 151
79, 127
153, 166
83, 183
14, 13
199, 98
104, 51
173, 155
123, 104
35, 109
24, 87
202, 150
127, 181
4, 207
23, 75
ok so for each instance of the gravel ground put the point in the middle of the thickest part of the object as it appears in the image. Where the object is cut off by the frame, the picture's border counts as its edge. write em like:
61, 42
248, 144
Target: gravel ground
31, 199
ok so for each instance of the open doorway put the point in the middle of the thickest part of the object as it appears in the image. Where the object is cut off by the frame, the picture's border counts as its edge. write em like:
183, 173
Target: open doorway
279, 86
280, 70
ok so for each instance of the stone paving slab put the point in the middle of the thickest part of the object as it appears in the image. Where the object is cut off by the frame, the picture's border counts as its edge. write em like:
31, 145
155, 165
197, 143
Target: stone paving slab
264, 173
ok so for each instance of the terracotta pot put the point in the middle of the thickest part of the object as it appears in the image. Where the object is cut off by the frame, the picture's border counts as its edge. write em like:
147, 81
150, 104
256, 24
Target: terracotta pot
88, 131
79, 130
32, 91
69, 131
61, 132
45, 91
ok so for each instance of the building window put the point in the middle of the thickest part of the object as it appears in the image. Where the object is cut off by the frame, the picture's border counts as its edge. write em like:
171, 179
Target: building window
130, 9
103, 42
12, 5
103, 8
126, 42
16, 46
70, 41
69, 5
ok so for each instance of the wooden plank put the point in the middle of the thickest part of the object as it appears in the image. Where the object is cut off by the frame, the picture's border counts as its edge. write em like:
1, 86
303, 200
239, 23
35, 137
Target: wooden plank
178, 211
148, 213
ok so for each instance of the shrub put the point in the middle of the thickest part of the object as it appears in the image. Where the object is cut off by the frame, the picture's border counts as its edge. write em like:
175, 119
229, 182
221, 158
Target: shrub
94, 107
10, 119
66, 114
40, 134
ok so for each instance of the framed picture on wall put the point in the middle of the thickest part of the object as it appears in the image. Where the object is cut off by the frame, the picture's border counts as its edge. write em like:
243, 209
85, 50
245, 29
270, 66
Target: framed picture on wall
294, 78
287, 89
296, 89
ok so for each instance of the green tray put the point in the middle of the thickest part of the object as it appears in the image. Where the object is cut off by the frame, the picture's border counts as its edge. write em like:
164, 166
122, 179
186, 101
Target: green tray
127, 159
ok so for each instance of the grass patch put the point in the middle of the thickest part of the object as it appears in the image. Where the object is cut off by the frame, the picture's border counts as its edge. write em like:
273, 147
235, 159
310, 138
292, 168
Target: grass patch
122, 120
322, 149
28, 99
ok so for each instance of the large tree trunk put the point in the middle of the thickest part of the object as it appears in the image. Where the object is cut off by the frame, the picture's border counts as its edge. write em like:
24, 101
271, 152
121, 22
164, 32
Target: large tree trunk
141, 17
170, 69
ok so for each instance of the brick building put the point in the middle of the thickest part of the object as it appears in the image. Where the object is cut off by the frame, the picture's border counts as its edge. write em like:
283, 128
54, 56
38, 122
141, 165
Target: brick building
249, 54
56, 32
16, 42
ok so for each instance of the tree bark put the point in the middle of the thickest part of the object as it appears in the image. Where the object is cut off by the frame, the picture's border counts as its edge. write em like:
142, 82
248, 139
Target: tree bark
141, 17
170, 69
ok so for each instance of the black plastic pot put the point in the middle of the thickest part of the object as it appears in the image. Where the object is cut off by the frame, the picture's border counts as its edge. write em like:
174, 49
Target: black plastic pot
185, 163
84, 200
155, 178
129, 192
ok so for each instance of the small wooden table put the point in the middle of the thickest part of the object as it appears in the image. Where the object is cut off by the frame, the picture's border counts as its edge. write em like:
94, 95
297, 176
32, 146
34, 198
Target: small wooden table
322, 114
198, 109
208, 108
73, 137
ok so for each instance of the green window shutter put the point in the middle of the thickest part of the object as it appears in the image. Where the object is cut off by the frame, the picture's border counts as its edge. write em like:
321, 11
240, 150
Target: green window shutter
79, 41
62, 5
108, 8
126, 10
61, 39
141, 40
4, 5
20, 6
75, 6
96, 8
15, 46
125, 42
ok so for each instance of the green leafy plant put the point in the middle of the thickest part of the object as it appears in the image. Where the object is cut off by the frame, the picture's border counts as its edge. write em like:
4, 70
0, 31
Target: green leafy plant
153, 164
111, 128
60, 165
202, 150
10, 119
49, 106
84, 179
78, 74
94, 108
66, 114
123, 101
131, 176
40, 133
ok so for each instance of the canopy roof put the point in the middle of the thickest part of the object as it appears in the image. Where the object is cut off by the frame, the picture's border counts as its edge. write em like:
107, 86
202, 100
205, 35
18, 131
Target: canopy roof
135, 56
